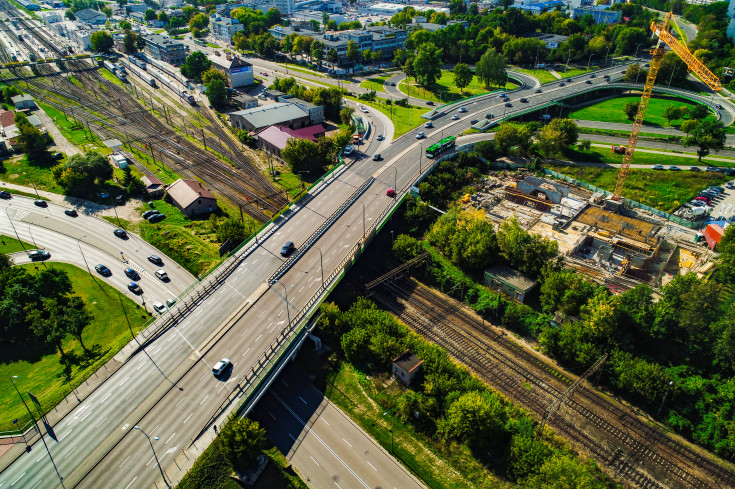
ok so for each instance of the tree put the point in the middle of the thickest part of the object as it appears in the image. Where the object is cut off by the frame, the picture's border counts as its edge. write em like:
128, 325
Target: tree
672, 113
558, 136
101, 41
490, 69
9, 92
333, 57
213, 74
77, 318
199, 21
241, 440
81, 172
273, 17
304, 155
709, 136
149, 14
353, 51
635, 73
630, 110
526, 455
527, 253
196, 64
163, 17
462, 75
131, 41
231, 229
317, 52
345, 115
217, 93
32, 140
477, 418
562, 472
466, 238
699, 112
688, 125
49, 324
425, 65
367, 55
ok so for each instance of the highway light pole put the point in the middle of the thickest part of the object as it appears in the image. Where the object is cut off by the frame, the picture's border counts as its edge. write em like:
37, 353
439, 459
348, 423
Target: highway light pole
32, 238
288, 313
635, 56
80, 251
588, 61
392, 428
35, 423
154, 454
363, 217
321, 266
16, 231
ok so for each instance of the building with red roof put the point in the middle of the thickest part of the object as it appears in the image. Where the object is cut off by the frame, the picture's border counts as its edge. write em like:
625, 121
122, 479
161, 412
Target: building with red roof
273, 139
713, 235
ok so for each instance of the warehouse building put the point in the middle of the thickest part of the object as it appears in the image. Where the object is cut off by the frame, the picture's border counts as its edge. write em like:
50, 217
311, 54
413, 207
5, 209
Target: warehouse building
238, 72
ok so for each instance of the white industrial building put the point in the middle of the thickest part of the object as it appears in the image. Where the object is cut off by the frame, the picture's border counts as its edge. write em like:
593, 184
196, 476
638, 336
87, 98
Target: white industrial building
390, 9
51, 16
309, 15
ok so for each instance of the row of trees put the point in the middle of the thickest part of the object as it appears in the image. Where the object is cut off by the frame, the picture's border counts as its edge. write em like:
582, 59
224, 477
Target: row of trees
450, 405
40, 306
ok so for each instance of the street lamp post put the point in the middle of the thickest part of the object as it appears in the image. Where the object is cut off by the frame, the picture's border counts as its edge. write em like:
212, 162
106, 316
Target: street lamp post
80, 251
588, 62
32, 238
15, 230
606, 53
363, 217
285, 291
35, 423
392, 429
321, 266
635, 56
154, 454
395, 179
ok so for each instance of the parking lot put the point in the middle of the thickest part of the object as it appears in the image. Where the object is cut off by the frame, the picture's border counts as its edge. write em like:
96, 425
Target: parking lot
723, 206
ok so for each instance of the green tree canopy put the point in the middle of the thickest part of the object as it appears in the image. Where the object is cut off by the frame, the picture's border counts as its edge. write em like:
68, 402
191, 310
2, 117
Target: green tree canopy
101, 41
490, 69
425, 65
196, 64
217, 92
709, 136
462, 75
241, 440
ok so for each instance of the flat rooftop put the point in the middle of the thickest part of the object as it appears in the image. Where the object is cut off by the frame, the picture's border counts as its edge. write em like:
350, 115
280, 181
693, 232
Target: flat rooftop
621, 226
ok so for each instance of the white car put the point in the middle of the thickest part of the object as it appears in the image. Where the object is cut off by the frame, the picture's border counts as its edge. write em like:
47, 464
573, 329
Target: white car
420, 135
455, 117
221, 366
364, 109
161, 274
462, 109
159, 308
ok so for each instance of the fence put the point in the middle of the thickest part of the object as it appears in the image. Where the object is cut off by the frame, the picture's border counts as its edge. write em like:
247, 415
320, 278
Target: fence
631, 203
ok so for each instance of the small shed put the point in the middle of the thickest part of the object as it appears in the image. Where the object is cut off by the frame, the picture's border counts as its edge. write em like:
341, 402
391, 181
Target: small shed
23, 102
191, 197
245, 101
406, 366
153, 186
510, 281
713, 234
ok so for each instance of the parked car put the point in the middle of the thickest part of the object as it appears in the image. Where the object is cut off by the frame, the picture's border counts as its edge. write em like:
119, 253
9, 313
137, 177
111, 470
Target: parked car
135, 288
120, 233
712, 168
39, 255
40, 203
155, 259
4, 194
149, 213
694, 168
57, 156
159, 308
71, 212
287, 248
697, 203
132, 274
161, 274
658, 167
103, 270
156, 218
221, 366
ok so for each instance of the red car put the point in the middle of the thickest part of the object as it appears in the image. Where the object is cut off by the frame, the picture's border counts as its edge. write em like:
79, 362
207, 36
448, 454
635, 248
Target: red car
703, 199
391, 193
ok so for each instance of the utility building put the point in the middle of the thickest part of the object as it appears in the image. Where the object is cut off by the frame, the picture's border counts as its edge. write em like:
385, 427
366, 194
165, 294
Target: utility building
510, 281
191, 198
238, 72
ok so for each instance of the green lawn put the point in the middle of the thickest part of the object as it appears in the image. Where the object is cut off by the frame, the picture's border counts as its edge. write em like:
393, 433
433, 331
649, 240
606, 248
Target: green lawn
10, 244
19, 171
605, 155
660, 189
375, 83
108, 75
611, 110
301, 69
445, 89
38, 367
189, 242
574, 72
71, 131
404, 118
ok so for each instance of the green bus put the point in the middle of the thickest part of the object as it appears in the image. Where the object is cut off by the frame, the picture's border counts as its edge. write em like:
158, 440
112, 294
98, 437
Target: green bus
200, 42
441, 146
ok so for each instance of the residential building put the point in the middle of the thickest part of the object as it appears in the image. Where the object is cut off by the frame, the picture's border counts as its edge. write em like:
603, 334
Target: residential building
273, 139
153, 186
406, 366
165, 49
23, 102
191, 198
91, 17
136, 7
7, 118
138, 17
600, 15
238, 72
511, 282
285, 114
51, 16
243, 101
223, 28
316, 112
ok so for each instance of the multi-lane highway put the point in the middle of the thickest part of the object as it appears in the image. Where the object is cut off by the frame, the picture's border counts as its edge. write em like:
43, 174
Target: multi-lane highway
86, 241
168, 390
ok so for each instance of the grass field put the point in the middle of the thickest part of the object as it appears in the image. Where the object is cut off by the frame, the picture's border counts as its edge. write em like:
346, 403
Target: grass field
38, 367
445, 91
574, 72
9, 244
544, 76
108, 75
663, 190
375, 83
19, 171
404, 119
71, 131
301, 69
604, 155
611, 110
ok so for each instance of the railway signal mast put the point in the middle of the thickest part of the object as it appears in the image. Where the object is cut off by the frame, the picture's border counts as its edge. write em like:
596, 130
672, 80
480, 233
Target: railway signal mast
664, 36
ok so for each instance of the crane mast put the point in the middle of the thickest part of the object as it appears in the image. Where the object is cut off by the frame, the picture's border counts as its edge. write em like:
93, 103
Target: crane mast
664, 36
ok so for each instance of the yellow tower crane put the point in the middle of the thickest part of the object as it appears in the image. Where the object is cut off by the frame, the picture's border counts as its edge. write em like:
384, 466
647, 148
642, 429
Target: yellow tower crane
712, 81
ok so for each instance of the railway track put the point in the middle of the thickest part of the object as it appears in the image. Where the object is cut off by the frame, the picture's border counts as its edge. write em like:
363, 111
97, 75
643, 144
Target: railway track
503, 363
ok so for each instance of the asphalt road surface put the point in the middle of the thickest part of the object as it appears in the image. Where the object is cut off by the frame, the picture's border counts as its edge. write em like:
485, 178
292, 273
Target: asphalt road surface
328, 449
86, 241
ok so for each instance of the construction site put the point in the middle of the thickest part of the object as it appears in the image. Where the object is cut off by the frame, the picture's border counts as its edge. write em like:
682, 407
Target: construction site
618, 250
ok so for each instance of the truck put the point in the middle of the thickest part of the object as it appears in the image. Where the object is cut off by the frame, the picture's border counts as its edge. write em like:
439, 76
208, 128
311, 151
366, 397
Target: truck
620, 150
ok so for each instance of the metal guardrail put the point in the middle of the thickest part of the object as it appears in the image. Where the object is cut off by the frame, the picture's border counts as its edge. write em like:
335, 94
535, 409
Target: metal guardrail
286, 265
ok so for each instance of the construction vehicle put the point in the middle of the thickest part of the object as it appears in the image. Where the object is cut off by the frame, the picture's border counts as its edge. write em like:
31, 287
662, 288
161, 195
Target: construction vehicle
661, 29
618, 150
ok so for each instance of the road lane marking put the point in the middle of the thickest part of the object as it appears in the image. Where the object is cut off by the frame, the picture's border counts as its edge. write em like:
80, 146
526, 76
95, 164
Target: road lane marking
19, 478
205, 398
259, 337
371, 465
130, 395
131, 482
65, 435
169, 438
335, 483
302, 288
302, 400
187, 418
37, 484
271, 415
101, 422
246, 352
107, 396
315, 461
182, 400
325, 421
121, 383
37, 460
125, 461
347, 442
284, 382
